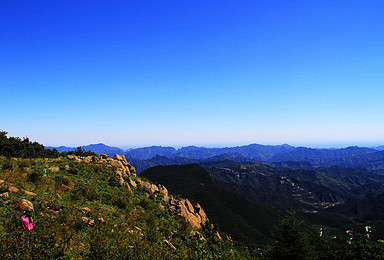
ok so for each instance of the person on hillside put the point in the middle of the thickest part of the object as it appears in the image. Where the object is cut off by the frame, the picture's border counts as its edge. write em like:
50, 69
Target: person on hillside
26, 221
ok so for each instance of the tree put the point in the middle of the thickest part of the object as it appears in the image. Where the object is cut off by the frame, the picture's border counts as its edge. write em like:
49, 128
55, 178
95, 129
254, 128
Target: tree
292, 242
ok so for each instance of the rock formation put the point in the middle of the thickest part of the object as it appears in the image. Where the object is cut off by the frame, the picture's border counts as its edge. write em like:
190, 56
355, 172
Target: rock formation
126, 176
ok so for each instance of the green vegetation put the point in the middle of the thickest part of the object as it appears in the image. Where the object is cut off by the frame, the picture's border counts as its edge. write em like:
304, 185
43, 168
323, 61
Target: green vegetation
81, 212
24, 148
294, 242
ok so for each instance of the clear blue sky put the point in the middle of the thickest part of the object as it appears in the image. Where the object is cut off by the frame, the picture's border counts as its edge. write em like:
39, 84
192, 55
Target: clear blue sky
139, 73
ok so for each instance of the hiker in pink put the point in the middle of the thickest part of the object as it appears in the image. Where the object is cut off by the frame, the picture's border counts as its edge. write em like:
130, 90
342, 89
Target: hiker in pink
26, 221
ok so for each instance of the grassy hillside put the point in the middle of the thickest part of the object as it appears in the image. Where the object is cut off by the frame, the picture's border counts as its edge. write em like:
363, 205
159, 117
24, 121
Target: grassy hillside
82, 212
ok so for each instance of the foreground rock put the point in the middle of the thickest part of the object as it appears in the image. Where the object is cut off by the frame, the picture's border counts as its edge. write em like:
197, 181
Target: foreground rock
26, 205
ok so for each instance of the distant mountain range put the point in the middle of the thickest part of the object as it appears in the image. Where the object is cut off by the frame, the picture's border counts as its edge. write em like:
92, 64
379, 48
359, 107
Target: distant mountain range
96, 148
334, 188
354, 156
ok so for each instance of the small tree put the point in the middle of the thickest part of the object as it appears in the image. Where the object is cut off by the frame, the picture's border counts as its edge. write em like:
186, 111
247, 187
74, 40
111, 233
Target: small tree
292, 242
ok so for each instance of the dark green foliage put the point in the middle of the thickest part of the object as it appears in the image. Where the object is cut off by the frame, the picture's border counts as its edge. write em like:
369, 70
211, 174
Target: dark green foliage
24, 148
292, 242
78, 152
35, 175
339, 249
234, 214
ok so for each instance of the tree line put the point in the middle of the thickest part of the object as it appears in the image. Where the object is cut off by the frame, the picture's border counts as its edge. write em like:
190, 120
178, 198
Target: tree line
24, 148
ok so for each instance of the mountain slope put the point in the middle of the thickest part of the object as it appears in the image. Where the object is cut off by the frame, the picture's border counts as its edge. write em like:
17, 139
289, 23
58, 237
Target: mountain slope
234, 214
364, 210
303, 189
95, 208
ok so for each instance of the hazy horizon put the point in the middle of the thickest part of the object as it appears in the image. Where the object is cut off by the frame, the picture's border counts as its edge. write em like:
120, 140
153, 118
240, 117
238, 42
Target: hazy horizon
315, 146
200, 73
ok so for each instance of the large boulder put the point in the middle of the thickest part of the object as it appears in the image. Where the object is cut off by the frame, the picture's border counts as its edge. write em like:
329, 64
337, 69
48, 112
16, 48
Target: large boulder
194, 215
119, 161
54, 169
4, 195
28, 193
26, 205
13, 189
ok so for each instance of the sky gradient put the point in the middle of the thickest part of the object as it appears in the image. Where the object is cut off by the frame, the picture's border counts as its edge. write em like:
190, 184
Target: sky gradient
214, 73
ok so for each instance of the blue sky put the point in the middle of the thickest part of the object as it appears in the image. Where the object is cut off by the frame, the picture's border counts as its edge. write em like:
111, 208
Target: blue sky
214, 73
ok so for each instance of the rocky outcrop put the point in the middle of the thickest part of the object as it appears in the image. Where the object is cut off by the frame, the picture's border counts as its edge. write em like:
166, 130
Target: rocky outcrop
125, 175
54, 169
194, 215
8, 187
26, 205
73, 157
4, 195
89, 221
13, 189
118, 161
28, 193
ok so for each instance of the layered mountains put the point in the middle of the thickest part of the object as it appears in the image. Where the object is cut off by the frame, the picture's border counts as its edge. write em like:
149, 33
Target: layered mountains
254, 184
368, 158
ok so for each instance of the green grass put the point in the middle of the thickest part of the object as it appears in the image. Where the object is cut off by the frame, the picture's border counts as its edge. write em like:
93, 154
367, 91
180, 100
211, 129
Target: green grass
127, 225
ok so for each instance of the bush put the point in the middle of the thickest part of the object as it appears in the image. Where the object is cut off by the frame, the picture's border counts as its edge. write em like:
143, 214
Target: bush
35, 175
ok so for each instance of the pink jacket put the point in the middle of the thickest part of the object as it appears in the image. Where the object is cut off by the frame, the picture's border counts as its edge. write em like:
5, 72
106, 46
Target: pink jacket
26, 224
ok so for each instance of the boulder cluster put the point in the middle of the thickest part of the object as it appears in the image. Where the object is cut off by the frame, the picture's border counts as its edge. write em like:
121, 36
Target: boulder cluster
24, 204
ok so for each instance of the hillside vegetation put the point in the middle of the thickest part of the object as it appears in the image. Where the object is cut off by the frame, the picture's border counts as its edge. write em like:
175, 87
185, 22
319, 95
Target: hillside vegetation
83, 208
87, 206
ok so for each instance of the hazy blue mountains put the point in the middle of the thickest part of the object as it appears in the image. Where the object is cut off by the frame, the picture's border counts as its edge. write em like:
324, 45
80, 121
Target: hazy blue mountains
96, 148
323, 157
277, 155
252, 151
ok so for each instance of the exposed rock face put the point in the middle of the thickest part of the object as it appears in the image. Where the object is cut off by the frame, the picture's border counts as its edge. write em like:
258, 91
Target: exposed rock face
164, 191
26, 204
4, 195
119, 161
28, 193
194, 215
13, 189
73, 157
90, 222
132, 183
88, 159
54, 169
